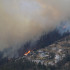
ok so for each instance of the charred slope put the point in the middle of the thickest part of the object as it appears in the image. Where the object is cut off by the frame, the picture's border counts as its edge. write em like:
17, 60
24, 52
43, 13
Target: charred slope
43, 41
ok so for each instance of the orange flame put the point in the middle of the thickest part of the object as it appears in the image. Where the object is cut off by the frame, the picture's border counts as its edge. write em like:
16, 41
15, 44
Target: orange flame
27, 53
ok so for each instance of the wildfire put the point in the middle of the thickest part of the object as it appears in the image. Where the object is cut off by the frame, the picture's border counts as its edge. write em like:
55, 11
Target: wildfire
27, 53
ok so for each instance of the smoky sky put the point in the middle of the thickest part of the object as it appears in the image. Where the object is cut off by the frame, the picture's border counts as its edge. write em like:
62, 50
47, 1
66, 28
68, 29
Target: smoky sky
23, 20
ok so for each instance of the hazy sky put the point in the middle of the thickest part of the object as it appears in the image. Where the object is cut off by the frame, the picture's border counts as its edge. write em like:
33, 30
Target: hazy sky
22, 20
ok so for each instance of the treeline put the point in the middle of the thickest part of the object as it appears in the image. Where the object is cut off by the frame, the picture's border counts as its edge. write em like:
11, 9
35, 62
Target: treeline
24, 64
50, 38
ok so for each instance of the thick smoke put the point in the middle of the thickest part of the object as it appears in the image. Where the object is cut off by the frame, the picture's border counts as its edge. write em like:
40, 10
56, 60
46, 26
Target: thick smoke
23, 20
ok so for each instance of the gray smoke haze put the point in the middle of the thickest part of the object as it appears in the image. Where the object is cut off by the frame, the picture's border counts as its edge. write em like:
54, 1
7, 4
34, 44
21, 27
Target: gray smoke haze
23, 20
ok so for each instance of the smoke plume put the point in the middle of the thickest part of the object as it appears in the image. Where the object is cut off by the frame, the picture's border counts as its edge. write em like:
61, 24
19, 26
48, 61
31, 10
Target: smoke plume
23, 20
